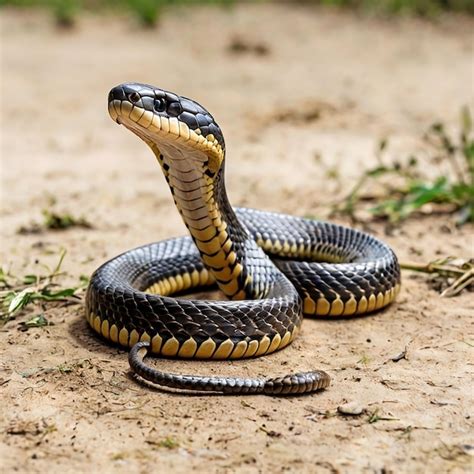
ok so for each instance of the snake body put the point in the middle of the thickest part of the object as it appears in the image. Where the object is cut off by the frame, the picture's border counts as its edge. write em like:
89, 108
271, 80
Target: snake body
274, 268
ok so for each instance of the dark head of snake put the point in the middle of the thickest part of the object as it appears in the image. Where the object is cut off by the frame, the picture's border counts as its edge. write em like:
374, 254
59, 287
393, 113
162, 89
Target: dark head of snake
166, 121
190, 147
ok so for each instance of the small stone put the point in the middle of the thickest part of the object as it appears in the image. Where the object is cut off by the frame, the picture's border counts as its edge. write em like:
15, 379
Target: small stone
351, 408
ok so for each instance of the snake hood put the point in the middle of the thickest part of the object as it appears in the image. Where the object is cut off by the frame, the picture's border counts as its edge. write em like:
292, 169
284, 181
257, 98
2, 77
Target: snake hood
168, 123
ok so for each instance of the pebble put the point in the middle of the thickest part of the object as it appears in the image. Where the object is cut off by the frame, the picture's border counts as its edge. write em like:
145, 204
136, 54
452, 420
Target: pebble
351, 408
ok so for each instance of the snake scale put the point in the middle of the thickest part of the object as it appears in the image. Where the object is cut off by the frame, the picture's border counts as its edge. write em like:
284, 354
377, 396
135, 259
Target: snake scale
273, 268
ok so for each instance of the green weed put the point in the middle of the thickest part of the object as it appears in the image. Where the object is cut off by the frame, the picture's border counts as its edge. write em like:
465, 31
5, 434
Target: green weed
65, 12
374, 417
38, 321
169, 442
19, 292
426, 8
452, 192
148, 12
53, 220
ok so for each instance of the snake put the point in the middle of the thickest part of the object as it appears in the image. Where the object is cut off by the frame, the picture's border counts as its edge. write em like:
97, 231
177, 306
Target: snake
274, 269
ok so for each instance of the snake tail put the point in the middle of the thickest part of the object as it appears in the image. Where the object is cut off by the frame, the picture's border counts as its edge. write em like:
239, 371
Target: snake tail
303, 382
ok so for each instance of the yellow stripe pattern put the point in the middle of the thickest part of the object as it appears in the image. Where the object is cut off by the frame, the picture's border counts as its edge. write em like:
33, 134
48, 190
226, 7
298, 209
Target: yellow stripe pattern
208, 349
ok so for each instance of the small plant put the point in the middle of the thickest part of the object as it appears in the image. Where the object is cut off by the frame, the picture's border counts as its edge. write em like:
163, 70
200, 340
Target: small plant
37, 321
169, 442
65, 12
18, 293
411, 190
424, 8
374, 417
53, 220
147, 11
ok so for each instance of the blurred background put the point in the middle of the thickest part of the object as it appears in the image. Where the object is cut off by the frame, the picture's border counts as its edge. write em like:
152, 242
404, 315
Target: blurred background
345, 92
148, 12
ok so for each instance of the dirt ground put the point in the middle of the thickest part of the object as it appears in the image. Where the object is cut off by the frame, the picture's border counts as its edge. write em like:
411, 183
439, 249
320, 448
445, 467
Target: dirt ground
322, 93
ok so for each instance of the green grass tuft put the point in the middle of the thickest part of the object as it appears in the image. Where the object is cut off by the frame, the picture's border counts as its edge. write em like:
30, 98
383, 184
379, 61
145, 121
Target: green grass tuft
148, 12
169, 443
65, 12
426, 8
452, 192
17, 293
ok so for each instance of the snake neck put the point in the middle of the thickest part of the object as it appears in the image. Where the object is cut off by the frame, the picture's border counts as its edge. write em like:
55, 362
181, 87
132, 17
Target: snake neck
238, 264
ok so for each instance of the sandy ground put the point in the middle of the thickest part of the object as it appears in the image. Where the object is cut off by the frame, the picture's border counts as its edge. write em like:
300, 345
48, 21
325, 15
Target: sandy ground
69, 402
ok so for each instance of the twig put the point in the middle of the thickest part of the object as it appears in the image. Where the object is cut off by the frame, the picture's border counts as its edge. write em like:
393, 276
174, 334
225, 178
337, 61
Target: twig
433, 267
461, 270
462, 282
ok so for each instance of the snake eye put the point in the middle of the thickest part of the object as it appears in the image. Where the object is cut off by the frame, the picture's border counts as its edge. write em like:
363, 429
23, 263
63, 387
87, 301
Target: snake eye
175, 109
134, 97
159, 105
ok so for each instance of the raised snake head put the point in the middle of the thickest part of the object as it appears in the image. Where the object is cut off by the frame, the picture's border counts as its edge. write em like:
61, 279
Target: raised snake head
168, 122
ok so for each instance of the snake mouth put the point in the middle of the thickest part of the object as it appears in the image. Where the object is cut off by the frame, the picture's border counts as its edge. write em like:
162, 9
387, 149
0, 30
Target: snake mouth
162, 117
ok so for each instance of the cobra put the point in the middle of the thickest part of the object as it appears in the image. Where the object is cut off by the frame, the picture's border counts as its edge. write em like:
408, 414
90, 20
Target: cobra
273, 268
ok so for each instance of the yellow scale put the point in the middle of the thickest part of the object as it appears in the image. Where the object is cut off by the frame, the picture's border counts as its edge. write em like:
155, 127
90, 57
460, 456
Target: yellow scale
189, 348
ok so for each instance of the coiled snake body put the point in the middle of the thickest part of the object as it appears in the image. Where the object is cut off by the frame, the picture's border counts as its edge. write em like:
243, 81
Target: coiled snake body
273, 267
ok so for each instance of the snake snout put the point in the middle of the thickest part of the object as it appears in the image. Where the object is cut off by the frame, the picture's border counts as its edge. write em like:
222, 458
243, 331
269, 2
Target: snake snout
125, 92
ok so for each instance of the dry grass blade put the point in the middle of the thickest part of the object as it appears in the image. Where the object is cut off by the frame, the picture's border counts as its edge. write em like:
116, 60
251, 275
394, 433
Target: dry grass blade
461, 270
462, 282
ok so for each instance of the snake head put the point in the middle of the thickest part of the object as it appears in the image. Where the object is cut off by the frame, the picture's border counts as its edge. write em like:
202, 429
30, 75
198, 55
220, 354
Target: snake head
164, 119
